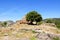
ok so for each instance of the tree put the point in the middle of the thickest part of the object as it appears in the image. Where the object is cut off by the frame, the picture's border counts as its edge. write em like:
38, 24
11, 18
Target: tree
33, 16
4, 24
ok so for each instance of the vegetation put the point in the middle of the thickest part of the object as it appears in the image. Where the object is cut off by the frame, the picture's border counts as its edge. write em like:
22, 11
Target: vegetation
39, 23
33, 31
3, 24
33, 38
33, 16
56, 38
56, 21
49, 21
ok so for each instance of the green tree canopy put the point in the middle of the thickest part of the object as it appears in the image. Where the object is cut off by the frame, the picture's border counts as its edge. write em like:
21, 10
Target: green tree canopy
33, 16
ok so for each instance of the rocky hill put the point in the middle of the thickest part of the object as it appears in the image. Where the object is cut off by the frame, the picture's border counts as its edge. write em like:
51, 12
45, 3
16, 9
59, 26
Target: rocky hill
22, 31
29, 32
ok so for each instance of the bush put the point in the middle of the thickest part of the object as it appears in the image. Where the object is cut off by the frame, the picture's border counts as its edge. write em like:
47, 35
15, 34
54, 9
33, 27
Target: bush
49, 21
33, 38
4, 24
58, 26
56, 38
55, 21
39, 23
33, 31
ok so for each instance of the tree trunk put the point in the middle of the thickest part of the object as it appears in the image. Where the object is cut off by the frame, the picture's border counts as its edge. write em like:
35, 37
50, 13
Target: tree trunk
31, 23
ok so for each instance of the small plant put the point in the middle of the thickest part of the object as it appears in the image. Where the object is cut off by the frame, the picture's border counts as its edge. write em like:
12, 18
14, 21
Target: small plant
56, 38
33, 31
33, 38
39, 23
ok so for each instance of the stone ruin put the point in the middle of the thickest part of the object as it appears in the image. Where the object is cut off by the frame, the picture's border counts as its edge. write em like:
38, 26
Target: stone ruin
22, 21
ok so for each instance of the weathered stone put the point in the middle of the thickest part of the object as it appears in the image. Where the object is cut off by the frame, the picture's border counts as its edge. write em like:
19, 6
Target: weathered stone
22, 21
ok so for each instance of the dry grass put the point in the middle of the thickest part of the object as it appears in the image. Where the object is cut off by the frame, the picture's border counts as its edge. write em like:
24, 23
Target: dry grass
15, 32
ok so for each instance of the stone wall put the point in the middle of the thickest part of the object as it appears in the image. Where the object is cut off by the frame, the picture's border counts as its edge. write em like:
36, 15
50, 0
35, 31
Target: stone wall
22, 21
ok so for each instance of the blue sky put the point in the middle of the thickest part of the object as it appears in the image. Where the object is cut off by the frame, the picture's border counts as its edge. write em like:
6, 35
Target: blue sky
16, 9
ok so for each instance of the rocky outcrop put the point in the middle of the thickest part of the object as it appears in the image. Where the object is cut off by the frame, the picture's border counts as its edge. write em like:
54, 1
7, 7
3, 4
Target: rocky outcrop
22, 21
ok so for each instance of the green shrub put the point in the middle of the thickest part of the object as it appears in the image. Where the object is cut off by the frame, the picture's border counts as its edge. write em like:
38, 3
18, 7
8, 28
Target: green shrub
33, 38
56, 38
55, 21
39, 23
4, 24
33, 31
58, 26
49, 21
